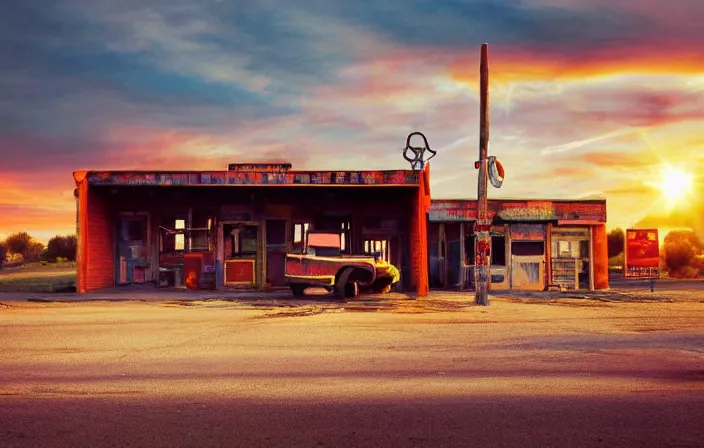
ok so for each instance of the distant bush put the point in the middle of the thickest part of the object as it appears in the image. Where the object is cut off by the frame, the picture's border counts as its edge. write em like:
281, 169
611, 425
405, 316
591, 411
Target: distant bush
615, 241
683, 254
616, 261
18, 243
22, 243
33, 252
3, 253
62, 248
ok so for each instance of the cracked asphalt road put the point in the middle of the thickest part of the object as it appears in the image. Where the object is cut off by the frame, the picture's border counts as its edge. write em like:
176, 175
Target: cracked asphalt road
427, 373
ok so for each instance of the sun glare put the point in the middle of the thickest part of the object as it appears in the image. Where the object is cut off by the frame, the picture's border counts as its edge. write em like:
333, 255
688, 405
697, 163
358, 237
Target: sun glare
675, 183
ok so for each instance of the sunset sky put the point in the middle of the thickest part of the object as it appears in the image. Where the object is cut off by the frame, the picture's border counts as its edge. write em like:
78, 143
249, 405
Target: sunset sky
588, 98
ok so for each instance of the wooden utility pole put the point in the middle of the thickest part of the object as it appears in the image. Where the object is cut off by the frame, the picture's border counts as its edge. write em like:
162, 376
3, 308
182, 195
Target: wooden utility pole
482, 226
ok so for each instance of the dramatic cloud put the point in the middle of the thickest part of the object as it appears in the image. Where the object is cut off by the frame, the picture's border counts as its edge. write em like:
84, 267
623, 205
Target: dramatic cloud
587, 98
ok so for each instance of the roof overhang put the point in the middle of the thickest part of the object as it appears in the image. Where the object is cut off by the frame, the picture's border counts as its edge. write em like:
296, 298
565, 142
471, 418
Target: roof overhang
574, 212
399, 178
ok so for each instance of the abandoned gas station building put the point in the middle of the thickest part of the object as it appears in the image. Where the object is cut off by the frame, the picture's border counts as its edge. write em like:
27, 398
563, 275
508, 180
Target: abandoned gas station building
535, 244
235, 226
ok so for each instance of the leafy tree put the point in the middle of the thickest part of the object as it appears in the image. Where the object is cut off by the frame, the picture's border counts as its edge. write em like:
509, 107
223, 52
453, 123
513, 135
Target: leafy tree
682, 253
71, 247
62, 247
17, 243
3, 253
33, 252
615, 241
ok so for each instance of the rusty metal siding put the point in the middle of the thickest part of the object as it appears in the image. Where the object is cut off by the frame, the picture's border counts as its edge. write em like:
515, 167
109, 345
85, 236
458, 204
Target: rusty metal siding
100, 244
586, 211
578, 211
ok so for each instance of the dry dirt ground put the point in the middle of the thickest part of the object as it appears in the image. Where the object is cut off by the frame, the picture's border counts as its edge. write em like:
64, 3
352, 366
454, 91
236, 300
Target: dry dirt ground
428, 373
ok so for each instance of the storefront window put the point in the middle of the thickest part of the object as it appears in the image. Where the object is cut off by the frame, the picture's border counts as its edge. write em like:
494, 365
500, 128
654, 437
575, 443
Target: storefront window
527, 248
300, 233
179, 240
570, 249
240, 240
498, 251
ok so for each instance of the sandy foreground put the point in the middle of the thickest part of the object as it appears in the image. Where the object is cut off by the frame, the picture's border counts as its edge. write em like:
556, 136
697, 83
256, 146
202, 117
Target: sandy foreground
432, 372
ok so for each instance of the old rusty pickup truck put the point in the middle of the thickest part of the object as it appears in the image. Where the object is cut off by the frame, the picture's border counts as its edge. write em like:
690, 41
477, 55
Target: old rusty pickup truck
323, 265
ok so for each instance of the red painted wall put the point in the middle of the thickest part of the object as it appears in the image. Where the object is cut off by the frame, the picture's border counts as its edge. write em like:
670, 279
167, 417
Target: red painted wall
95, 253
82, 231
601, 257
419, 235
101, 246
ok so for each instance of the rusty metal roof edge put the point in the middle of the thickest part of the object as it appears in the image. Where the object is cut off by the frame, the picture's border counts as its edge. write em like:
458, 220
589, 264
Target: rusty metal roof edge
234, 171
463, 200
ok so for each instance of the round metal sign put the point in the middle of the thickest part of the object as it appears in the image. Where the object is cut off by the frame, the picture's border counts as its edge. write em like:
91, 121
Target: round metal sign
496, 172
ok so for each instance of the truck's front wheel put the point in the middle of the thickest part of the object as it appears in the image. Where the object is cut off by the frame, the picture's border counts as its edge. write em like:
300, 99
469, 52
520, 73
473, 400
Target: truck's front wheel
344, 287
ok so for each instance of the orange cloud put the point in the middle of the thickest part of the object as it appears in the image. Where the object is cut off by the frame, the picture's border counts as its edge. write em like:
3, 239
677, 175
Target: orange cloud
573, 172
522, 63
155, 148
41, 210
634, 189
618, 159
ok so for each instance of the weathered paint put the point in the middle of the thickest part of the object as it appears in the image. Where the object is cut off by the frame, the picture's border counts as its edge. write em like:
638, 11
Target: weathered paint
324, 270
82, 231
240, 272
527, 273
101, 247
576, 211
584, 211
304, 265
527, 214
527, 232
642, 249
95, 253
600, 255
256, 177
264, 166
419, 235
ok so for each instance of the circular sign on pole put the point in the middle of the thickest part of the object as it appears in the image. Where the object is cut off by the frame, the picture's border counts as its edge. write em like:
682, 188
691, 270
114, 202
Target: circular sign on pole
496, 172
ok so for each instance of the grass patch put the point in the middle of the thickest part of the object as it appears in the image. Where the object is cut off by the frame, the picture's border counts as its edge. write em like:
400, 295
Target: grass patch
35, 280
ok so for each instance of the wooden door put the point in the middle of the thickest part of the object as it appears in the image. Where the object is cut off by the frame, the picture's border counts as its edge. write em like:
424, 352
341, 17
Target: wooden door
276, 237
528, 272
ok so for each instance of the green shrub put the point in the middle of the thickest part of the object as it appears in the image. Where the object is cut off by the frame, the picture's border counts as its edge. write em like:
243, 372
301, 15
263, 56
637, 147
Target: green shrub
616, 261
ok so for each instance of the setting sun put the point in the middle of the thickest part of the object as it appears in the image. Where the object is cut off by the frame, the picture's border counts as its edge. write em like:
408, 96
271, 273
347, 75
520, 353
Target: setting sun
675, 183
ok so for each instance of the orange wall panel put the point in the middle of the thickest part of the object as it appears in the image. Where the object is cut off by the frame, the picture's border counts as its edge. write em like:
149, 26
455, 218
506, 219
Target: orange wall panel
82, 234
419, 235
601, 257
99, 243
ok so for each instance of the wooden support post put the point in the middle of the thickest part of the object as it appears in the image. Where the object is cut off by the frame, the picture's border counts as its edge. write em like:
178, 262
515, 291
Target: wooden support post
482, 274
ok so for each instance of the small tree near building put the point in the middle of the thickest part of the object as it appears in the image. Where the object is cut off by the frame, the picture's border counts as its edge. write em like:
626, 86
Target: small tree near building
615, 241
63, 247
18, 243
3, 253
34, 251
683, 254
